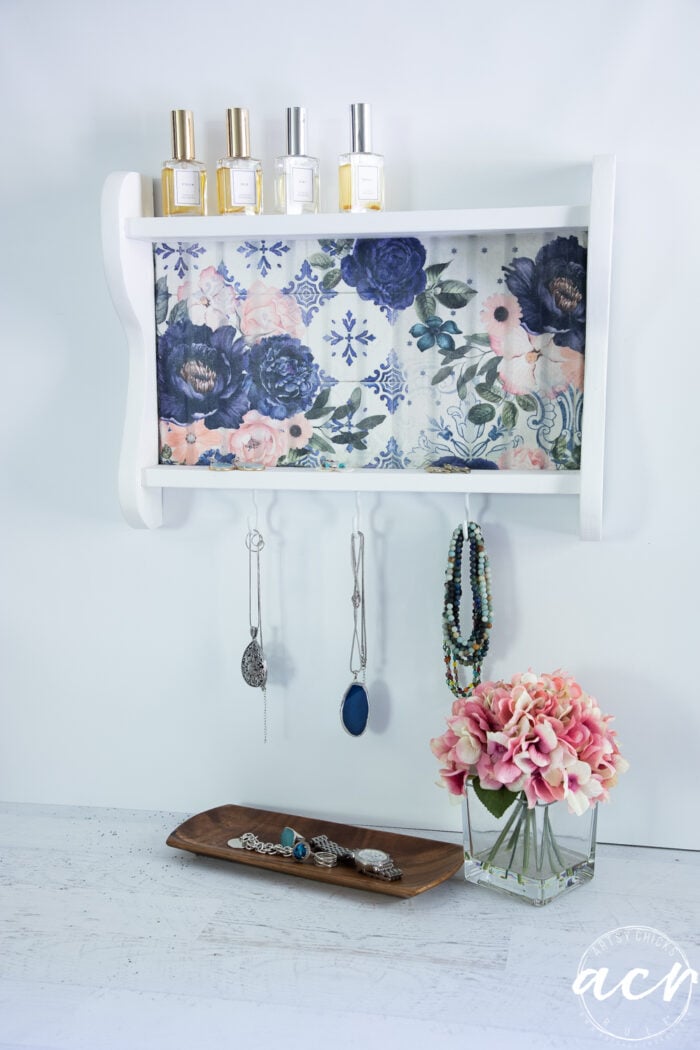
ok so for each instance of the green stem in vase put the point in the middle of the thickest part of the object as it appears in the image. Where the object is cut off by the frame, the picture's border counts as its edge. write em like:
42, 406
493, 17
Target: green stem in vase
516, 815
552, 842
526, 842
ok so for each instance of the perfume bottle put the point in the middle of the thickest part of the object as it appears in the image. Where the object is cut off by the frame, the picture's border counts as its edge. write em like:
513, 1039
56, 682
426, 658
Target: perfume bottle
361, 172
184, 179
296, 175
239, 176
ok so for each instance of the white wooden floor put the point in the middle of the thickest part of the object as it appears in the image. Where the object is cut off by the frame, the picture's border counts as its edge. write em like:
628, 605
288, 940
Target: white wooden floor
110, 940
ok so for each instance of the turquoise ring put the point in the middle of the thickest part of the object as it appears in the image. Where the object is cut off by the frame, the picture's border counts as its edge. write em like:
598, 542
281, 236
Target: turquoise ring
290, 837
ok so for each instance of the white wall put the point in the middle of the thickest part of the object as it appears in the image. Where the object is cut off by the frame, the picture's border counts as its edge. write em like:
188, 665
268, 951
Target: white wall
121, 648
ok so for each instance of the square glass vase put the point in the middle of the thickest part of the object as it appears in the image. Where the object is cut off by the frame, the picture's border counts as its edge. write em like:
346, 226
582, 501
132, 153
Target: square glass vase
536, 854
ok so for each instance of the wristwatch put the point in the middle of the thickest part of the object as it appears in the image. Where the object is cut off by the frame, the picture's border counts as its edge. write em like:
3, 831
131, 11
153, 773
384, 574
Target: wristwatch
374, 862
377, 863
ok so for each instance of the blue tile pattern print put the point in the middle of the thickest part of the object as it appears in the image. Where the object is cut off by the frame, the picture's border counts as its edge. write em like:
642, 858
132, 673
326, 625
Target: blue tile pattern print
180, 264
350, 337
396, 354
249, 249
389, 382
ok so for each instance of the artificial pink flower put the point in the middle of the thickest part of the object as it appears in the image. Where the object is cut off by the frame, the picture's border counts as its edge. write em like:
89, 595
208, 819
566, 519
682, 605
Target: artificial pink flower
299, 431
539, 734
259, 440
210, 300
184, 445
268, 311
525, 459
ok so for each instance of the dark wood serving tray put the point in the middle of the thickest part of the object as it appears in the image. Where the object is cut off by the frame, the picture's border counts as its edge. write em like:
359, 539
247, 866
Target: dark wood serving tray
424, 862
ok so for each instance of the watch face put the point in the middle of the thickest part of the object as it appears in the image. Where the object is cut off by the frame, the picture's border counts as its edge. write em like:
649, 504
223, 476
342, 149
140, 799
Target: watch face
372, 856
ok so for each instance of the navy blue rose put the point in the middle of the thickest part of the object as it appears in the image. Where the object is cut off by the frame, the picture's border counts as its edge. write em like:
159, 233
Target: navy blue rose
552, 291
387, 271
284, 377
202, 375
473, 464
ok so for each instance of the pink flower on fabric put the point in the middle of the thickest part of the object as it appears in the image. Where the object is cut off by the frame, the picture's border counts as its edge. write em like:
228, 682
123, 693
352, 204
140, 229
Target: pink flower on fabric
210, 300
299, 431
501, 316
540, 365
268, 311
187, 444
525, 459
259, 440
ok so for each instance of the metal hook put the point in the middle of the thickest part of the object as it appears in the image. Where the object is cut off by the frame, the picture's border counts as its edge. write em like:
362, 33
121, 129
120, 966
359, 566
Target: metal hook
356, 518
467, 512
254, 527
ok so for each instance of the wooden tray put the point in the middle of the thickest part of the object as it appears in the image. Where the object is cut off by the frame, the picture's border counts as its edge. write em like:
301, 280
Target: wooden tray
424, 862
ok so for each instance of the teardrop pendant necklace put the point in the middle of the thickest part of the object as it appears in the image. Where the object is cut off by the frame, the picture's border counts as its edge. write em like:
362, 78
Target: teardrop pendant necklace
253, 663
469, 652
354, 708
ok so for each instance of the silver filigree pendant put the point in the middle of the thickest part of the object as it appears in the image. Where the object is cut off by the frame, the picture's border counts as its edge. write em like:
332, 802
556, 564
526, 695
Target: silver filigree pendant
253, 664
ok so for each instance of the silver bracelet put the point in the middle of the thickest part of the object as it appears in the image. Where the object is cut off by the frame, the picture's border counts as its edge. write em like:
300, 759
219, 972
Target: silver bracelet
249, 840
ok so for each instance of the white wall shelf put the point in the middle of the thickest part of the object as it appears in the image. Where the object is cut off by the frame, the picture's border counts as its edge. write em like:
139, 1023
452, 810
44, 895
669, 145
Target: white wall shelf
129, 232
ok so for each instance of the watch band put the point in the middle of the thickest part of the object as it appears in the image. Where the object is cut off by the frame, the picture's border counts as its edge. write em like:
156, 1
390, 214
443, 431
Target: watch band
323, 843
388, 872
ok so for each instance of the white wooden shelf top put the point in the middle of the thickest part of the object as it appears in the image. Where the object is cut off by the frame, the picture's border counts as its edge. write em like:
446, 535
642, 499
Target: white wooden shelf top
375, 224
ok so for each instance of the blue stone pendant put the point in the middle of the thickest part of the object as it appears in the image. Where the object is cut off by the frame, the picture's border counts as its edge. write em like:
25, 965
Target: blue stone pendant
354, 709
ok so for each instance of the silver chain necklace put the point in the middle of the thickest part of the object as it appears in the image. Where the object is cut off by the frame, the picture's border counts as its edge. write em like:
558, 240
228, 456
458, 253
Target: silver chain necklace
253, 663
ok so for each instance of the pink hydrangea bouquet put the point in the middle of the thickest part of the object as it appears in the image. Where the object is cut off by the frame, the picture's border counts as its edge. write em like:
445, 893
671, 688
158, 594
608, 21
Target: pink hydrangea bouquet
537, 734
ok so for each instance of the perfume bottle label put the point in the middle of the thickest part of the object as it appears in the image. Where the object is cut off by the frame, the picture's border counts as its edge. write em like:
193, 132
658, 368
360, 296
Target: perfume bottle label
242, 187
367, 182
187, 188
302, 185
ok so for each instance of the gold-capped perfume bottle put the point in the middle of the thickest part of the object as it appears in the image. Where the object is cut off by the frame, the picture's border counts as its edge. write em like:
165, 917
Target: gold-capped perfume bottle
239, 177
184, 179
361, 172
296, 174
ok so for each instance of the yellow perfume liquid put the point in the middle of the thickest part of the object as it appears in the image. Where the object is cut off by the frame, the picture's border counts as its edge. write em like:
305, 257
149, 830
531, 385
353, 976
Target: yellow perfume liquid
361, 182
184, 185
239, 186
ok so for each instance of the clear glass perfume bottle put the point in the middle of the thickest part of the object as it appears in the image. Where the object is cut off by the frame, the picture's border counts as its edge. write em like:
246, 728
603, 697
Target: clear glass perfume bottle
239, 177
296, 174
361, 172
183, 179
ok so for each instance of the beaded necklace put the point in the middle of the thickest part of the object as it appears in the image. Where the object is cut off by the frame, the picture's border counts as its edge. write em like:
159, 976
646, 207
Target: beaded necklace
472, 651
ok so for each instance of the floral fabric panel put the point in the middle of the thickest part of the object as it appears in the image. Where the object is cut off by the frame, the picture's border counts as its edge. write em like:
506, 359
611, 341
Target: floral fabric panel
379, 353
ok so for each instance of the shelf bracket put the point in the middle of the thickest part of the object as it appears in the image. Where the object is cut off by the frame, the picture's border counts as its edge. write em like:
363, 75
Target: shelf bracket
129, 271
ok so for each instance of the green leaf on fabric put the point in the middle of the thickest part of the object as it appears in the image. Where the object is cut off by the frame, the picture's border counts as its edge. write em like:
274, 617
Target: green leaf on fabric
425, 305
441, 374
356, 398
496, 802
320, 259
178, 312
453, 355
479, 339
433, 272
481, 414
370, 422
560, 449
320, 406
526, 402
330, 279
162, 297
345, 438
318, 442
454, 294
509, 415
342, 411
488, 393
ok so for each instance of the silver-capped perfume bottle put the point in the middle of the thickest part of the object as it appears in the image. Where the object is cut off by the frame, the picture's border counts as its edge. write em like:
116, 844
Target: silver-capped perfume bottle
183, 179
296, 174
239, 177
361, 172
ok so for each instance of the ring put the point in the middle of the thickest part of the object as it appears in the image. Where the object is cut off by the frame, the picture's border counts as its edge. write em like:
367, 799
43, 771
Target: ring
302, 851
325, 859
290, 837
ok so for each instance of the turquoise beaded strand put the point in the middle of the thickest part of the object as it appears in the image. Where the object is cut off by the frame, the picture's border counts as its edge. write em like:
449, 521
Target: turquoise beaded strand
470, 652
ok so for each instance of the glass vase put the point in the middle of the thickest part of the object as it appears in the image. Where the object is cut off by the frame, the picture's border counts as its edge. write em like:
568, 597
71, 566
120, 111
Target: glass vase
536, 854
